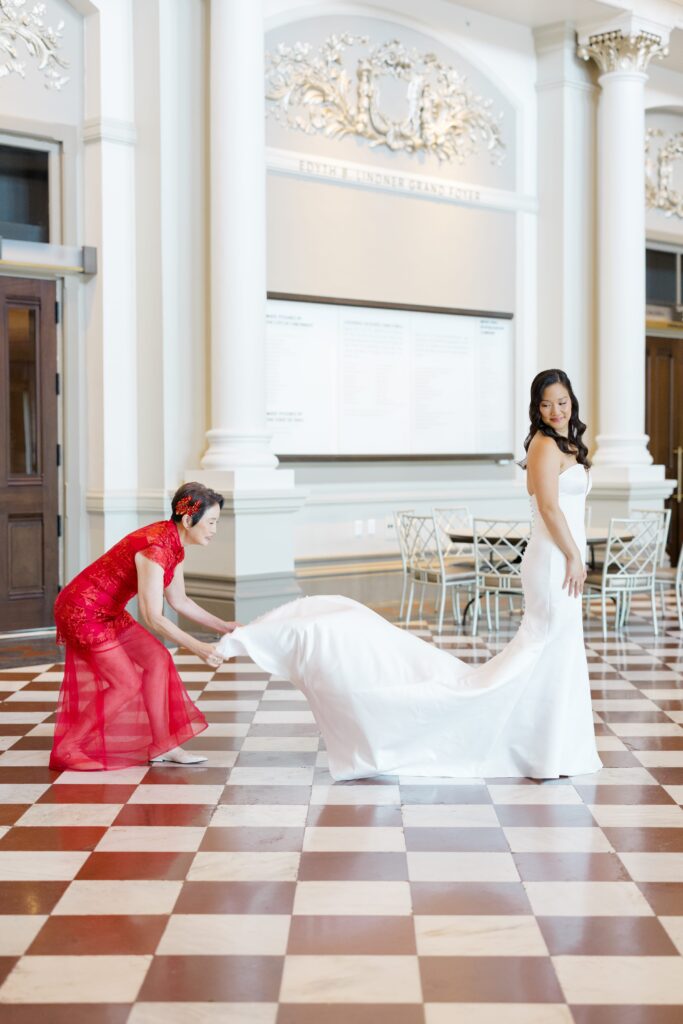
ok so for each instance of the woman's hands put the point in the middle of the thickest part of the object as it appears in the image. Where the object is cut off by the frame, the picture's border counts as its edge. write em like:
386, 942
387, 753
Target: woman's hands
228, 627
208, 653
575, 575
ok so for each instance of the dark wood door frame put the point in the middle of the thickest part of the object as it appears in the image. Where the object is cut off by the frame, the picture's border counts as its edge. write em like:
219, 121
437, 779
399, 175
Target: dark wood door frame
29, 454
664, 420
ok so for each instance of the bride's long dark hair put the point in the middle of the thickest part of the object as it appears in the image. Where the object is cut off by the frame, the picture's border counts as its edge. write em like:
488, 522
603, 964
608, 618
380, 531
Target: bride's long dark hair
573, 443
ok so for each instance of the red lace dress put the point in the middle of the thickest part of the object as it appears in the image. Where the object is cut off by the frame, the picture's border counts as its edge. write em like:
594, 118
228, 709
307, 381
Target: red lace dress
122, 700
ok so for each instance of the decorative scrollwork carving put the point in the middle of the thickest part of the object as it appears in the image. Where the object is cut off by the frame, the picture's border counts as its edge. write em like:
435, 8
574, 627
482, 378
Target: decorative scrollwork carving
659, 191
314, 92
41, 42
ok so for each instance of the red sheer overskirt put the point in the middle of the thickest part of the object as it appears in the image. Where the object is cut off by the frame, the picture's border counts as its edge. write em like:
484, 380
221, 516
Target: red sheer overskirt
130, 696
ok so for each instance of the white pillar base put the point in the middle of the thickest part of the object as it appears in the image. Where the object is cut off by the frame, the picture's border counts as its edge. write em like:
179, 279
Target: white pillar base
249, 566
618, 491
243, 599
622, 450
229, 450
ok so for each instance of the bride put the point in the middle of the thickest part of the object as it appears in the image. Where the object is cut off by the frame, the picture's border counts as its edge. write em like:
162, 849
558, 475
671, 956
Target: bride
386, 702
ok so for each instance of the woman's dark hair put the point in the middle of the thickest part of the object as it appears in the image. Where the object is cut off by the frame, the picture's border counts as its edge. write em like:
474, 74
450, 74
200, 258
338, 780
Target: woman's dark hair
573, 443
187, 497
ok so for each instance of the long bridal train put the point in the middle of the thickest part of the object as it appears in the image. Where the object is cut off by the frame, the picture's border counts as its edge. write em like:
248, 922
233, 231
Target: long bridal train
386, 702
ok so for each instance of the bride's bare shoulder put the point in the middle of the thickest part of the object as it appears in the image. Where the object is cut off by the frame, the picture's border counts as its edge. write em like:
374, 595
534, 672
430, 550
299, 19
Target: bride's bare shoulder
543, 448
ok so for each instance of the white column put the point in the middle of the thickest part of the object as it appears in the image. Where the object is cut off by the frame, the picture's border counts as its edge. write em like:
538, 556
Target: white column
250, 565
238, 437
622, 55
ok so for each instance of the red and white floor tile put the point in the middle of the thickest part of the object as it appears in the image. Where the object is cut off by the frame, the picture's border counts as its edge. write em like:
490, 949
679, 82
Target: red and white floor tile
255, 890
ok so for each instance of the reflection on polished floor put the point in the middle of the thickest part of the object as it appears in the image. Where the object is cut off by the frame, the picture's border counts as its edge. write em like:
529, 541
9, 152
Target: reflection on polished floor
254, 890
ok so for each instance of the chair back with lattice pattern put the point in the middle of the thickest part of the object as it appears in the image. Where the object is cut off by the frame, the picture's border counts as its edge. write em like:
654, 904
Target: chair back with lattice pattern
632, 554
401, 518
664, 517
421, 545
499, 546
451, 522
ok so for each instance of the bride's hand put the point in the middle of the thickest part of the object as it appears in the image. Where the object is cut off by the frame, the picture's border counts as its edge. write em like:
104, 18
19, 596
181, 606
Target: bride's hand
575, 576
210, 654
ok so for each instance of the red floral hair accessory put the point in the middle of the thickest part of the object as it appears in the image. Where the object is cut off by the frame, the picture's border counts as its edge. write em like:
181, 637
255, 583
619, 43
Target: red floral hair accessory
187, 507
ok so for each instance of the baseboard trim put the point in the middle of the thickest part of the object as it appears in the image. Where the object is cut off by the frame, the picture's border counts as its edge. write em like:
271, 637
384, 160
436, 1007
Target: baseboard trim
29, 634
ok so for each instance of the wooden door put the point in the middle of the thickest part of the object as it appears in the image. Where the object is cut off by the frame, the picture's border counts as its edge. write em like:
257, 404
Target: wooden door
29, 542
664, 423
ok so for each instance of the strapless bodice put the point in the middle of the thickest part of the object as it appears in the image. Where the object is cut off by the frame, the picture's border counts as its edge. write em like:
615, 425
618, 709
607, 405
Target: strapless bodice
573, 487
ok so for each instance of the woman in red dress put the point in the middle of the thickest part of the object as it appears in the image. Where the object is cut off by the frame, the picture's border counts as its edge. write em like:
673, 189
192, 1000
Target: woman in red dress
122, 701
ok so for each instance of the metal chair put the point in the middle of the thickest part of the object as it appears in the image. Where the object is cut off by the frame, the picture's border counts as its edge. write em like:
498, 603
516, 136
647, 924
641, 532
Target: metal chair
499, 546
401, 525
457, 555
631, 561
664, 516
450, 521
427, 566
672, 576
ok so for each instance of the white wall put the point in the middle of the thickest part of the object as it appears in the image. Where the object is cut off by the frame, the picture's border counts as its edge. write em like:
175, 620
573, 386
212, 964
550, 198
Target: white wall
328, 240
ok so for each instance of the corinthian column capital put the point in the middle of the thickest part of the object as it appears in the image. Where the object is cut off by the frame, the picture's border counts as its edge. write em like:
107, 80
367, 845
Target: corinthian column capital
617, 51
626, 43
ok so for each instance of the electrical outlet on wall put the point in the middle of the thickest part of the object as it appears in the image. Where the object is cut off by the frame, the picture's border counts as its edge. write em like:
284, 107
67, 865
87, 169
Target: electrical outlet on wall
358, 527
372, 527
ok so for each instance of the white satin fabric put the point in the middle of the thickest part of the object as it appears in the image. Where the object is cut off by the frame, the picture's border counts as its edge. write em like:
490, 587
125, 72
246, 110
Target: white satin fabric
386, 702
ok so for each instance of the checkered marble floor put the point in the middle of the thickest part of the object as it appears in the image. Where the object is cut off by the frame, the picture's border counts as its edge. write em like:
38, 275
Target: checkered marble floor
254, 890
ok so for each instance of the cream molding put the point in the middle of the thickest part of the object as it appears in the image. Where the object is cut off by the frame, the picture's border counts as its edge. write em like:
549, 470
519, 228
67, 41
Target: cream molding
40, 41
461, 490
109, 129
123, 502
265, 502
388, 179
317, 92
156, 501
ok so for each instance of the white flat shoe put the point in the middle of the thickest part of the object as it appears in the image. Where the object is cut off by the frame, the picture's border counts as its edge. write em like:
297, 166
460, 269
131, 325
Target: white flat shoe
178, 756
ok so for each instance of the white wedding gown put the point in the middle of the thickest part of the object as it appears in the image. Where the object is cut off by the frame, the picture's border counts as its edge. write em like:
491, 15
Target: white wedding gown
386, 702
